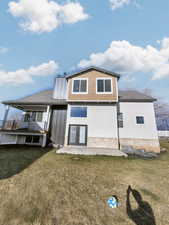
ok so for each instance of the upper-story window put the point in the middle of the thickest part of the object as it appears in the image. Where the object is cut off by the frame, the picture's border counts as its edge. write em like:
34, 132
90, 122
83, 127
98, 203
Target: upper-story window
33, 117
80, 86
140, 119
104, 86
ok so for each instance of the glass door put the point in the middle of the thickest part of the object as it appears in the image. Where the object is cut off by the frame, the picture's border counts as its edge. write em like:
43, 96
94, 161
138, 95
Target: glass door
77, 135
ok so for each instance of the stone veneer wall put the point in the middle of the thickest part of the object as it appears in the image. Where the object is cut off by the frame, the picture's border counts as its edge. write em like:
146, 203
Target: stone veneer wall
94, 142
102, 142
150, 145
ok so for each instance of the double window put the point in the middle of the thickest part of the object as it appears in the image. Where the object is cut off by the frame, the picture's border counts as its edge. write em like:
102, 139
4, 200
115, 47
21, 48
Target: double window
139, 119
33, 117
80, 86
78, 111
104, 85
32, 139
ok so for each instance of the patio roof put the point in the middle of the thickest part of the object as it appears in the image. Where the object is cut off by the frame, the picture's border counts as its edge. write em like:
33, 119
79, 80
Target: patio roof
40, 99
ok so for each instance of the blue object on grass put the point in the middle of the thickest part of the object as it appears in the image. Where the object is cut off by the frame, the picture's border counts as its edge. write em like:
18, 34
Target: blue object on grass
113, 202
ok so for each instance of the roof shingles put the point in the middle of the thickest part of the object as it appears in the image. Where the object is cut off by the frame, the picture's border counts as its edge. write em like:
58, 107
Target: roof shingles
46, 98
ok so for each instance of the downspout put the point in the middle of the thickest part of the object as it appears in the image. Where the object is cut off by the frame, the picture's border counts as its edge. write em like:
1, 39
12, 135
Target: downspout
118, 111
118, 133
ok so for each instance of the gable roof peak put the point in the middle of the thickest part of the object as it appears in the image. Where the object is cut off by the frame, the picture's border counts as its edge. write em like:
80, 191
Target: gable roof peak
86, 69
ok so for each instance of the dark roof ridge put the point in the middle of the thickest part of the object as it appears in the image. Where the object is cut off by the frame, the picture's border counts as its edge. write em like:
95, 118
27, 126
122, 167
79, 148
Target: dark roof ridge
92, 68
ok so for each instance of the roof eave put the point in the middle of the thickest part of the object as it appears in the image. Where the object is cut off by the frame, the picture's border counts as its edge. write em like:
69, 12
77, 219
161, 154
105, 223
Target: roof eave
34, 103
137, 100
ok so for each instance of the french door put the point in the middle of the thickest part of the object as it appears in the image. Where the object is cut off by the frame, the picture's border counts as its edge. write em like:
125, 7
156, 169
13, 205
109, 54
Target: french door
77, 135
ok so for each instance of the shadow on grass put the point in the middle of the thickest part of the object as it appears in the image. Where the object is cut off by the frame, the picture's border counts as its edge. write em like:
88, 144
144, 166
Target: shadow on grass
14, 159
143, 215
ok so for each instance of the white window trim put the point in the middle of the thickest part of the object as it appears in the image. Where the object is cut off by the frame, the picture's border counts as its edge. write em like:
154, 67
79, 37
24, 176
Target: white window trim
140, 124
104, 78
79, 107
80, 93
30, 113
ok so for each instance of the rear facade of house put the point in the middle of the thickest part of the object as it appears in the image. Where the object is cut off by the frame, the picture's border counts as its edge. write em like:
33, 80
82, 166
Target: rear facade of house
84, 109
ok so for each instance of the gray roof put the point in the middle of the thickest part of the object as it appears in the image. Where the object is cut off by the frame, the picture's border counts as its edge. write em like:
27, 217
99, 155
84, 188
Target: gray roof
78, 72
40, 98
46, 98
134, 96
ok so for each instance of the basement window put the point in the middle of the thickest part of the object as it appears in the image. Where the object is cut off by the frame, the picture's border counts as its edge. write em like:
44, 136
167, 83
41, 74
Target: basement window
140, 119
32, 139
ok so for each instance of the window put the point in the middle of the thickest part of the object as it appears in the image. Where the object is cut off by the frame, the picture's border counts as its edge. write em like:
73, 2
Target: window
33, 116
32, 139
120, 120
104, 85
80, 86
35, 139
39, 116
78, 112
28, 139
139, 119
27, 117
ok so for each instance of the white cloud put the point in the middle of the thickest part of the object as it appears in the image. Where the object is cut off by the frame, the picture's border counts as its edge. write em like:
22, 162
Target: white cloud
123, 57
115, 4
23, 76
3, 50
44, 15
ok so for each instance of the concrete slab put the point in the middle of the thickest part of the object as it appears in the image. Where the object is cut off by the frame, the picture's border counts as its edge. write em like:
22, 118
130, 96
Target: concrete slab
91, 151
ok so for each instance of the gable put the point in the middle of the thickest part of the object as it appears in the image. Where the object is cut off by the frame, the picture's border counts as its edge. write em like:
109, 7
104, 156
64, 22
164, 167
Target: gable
92, 68
91, 76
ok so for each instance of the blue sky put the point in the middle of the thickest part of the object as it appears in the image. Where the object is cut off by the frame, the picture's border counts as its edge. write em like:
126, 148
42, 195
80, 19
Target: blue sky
60, 36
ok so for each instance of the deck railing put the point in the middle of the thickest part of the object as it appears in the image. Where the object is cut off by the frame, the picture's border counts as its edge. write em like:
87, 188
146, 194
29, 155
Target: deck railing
20, 124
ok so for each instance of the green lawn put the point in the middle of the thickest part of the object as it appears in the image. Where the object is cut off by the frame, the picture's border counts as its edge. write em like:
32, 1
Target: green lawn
38, 187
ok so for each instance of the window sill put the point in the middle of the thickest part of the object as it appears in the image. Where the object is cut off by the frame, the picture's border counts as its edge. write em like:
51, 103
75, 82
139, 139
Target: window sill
104, 93
79, 93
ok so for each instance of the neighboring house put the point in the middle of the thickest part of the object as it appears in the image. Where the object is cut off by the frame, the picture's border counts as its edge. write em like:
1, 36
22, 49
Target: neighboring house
85, 109
163, 133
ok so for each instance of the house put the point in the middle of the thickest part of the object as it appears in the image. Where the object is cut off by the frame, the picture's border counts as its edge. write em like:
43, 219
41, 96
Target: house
85, 108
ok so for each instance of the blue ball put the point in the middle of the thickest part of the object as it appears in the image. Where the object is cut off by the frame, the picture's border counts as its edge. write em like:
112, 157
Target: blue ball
112, 202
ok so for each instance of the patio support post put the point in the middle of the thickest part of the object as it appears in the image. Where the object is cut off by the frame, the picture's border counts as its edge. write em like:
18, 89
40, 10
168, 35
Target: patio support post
5, 116
43, 141
48, 117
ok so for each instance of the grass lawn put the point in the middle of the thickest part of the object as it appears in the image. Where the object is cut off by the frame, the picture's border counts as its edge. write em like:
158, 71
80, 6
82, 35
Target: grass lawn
38, 187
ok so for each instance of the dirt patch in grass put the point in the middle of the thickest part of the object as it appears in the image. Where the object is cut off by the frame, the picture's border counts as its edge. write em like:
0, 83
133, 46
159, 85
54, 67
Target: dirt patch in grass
73, 190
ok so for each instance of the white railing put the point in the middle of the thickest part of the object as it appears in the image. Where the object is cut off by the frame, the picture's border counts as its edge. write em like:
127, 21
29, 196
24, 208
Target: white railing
19, 124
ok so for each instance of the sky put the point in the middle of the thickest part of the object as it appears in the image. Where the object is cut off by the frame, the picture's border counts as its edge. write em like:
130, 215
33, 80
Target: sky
43, 38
